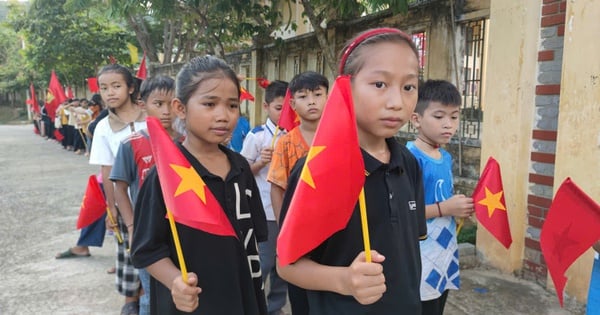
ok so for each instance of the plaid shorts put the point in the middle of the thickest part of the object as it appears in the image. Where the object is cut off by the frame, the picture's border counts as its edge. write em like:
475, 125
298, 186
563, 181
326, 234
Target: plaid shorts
127, 279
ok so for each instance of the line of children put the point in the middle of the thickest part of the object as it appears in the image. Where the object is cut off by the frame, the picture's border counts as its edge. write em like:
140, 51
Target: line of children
258, 150
224, 272
436, 118
134, 159
383, 64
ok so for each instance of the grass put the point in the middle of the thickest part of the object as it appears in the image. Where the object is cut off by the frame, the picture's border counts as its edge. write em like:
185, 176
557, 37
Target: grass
468, 233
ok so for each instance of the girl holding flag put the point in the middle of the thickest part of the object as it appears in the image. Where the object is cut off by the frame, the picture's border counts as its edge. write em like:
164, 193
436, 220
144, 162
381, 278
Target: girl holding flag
211, 198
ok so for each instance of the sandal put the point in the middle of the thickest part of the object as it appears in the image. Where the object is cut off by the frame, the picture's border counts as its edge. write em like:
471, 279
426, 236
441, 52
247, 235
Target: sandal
131, 308
69, 254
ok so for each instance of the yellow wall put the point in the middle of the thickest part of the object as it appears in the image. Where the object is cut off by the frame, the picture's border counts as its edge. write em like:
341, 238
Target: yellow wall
578, 143
508, 117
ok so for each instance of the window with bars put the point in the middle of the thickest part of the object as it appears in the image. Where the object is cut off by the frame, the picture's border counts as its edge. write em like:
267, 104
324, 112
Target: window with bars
472, 110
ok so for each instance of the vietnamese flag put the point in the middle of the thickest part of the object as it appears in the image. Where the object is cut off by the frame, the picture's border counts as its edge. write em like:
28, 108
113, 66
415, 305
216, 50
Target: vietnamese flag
288, 119
93, 204
331, 179
490, 207
263, 82
245, 95
186, 195
572, 226
93, 84
142, 71
35, 107
70, 92
56, 95
58, 136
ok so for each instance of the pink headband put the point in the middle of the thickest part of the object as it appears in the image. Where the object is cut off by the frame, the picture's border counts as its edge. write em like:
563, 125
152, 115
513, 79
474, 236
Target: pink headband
365, 36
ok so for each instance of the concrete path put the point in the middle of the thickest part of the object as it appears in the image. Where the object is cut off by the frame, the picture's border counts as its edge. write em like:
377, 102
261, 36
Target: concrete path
41, 186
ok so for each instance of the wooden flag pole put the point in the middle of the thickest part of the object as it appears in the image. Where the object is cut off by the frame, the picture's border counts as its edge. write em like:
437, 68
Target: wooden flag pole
364, 224
182, 266
115, 229
274, 137
461, 222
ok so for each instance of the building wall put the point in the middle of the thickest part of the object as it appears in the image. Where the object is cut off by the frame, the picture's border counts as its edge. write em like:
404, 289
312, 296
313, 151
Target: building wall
508, 117
578, 136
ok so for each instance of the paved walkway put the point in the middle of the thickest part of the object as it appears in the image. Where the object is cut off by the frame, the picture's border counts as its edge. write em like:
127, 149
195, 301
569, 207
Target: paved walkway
41, 186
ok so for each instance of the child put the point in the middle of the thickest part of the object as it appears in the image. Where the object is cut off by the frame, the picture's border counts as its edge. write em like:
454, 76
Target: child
224, 272
133, 161
309, 95
383, 65
436, 118
257, 149
118, 89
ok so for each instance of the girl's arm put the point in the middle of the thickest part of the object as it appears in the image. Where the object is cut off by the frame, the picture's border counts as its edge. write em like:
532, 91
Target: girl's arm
364, 281
458, 206
185, 295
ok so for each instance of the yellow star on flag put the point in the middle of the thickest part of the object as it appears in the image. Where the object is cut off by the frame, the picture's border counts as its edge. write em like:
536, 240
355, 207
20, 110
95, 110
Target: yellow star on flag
190, 180
306, 176
492, 201
49, 97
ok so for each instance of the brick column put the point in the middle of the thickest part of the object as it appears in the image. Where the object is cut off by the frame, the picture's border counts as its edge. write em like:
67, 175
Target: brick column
541, 173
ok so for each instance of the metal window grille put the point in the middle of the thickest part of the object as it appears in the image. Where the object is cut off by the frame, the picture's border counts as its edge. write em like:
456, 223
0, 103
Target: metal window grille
471, 112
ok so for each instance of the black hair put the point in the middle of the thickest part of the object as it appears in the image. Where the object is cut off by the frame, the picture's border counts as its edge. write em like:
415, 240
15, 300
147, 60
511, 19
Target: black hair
159, 82
130, 80
308, 80
198, 70
276, 89
437, 91
96, 99
355, 60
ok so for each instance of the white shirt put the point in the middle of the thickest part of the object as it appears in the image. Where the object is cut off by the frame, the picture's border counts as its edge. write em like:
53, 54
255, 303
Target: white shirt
106, 142
259, 138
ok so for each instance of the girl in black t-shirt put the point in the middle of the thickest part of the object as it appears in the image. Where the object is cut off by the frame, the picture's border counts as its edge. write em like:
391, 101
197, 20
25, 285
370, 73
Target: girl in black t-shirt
224, 271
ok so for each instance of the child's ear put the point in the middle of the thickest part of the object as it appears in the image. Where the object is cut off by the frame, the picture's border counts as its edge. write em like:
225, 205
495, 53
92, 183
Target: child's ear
178, 108
265, 105
415, 118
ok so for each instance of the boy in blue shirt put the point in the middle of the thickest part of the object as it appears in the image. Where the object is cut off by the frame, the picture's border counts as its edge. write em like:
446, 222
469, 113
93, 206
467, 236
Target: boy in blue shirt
436, 117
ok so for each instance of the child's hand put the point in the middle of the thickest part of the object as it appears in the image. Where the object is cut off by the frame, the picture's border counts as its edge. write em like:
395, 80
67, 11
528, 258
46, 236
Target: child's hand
459, 206
185, 295
265, 155
365, 281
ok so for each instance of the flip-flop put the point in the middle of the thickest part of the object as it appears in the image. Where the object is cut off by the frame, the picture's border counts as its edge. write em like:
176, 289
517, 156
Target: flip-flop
69, 254
131, 308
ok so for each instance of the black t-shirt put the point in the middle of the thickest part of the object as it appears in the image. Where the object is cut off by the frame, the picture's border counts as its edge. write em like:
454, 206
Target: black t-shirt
396, 217
228, 269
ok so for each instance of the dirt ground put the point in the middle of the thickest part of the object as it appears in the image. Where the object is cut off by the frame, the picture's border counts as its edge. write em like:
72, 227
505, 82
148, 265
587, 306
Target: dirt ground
41, 187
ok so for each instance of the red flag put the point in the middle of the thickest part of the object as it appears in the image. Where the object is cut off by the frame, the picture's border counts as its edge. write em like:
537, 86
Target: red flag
142, 71
245, 95
185, 193
93, 204
490, 207
58, 136
56, 95
572, 226
35, 107
70, 92
288, 119
263, 82
330, 181
93, 84
112, 59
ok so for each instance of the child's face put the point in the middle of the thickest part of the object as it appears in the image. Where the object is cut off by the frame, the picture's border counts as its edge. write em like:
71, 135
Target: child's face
211, 112
309, 104
274, 109
114, 90
385, 90
158, 105
438, 123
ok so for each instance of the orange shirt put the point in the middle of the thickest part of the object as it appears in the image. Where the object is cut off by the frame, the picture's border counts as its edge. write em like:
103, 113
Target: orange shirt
289, 149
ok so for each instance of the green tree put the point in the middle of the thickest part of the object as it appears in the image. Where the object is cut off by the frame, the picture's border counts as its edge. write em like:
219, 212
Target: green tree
73, 44
13, 75
321, 12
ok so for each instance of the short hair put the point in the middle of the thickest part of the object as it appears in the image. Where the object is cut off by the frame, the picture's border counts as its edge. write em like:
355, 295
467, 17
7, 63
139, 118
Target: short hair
437, 91
308, 80
159, 82
276, 89
198, 70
